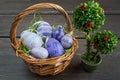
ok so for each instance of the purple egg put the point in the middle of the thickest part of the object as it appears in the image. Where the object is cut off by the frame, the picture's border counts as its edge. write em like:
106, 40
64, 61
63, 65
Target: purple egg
58, 33
39, 52
67, 41
44, 29
54, 47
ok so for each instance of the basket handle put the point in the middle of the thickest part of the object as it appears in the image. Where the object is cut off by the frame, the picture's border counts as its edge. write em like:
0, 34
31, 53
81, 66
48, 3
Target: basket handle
32, 9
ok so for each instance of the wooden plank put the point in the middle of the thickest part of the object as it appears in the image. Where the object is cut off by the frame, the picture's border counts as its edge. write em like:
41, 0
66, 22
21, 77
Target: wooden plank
112, 23
13, 68
7, 21
15, 6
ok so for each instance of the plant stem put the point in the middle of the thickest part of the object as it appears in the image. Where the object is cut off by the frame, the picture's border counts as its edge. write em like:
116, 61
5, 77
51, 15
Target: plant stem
88, 44
95, 56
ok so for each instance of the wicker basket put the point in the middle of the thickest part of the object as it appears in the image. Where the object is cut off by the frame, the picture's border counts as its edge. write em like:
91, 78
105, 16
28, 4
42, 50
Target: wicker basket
50, 66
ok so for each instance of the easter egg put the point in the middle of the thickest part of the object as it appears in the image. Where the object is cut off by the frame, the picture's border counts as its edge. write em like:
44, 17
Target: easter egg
58, 33
26, 33
39, 52
67, 41
30, 40
54, 47
44, 29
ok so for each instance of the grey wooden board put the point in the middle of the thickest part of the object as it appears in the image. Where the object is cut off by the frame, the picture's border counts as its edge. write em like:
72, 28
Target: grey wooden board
112, 23
7, 21
13, 68
15, 6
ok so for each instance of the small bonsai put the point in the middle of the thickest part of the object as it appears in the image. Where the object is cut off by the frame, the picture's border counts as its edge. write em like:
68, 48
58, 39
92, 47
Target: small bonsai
103, 42
88, 17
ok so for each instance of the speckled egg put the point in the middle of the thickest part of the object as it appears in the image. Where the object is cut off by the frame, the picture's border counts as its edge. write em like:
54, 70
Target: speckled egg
44, 29
39, 52
26, 33
58, 33
31, 40
67, 41
54, 47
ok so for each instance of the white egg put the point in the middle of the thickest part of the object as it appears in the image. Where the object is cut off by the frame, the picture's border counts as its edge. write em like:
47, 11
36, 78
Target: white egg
39, 52
31, 40
26, 33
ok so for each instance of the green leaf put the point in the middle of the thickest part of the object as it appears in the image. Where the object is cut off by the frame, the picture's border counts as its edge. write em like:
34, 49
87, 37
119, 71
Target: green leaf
105, 46
41, 18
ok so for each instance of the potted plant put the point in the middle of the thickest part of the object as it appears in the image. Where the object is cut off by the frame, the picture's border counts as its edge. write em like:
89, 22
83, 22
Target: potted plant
88, 17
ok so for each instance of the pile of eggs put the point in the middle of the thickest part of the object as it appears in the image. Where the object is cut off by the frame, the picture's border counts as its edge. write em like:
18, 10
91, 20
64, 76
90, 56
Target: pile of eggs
46, 42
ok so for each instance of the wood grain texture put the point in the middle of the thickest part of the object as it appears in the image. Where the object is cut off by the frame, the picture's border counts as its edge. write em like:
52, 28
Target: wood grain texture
112, 23
13, 68
7, 21
15, 6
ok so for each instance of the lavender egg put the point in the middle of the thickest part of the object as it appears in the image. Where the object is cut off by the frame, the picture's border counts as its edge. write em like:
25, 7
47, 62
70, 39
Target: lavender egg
58, 33
44, 29
67, 41
54, 48
31, 40
39, 52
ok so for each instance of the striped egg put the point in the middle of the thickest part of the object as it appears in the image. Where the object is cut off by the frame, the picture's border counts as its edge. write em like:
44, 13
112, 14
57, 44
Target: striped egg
67, 41
44, 29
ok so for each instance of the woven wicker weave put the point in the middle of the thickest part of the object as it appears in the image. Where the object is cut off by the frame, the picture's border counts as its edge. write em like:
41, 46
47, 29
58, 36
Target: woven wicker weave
50, 66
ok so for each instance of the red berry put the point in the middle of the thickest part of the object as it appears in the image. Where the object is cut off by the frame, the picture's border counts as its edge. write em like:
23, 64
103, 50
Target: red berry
82, 7
106, 37
89, 25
